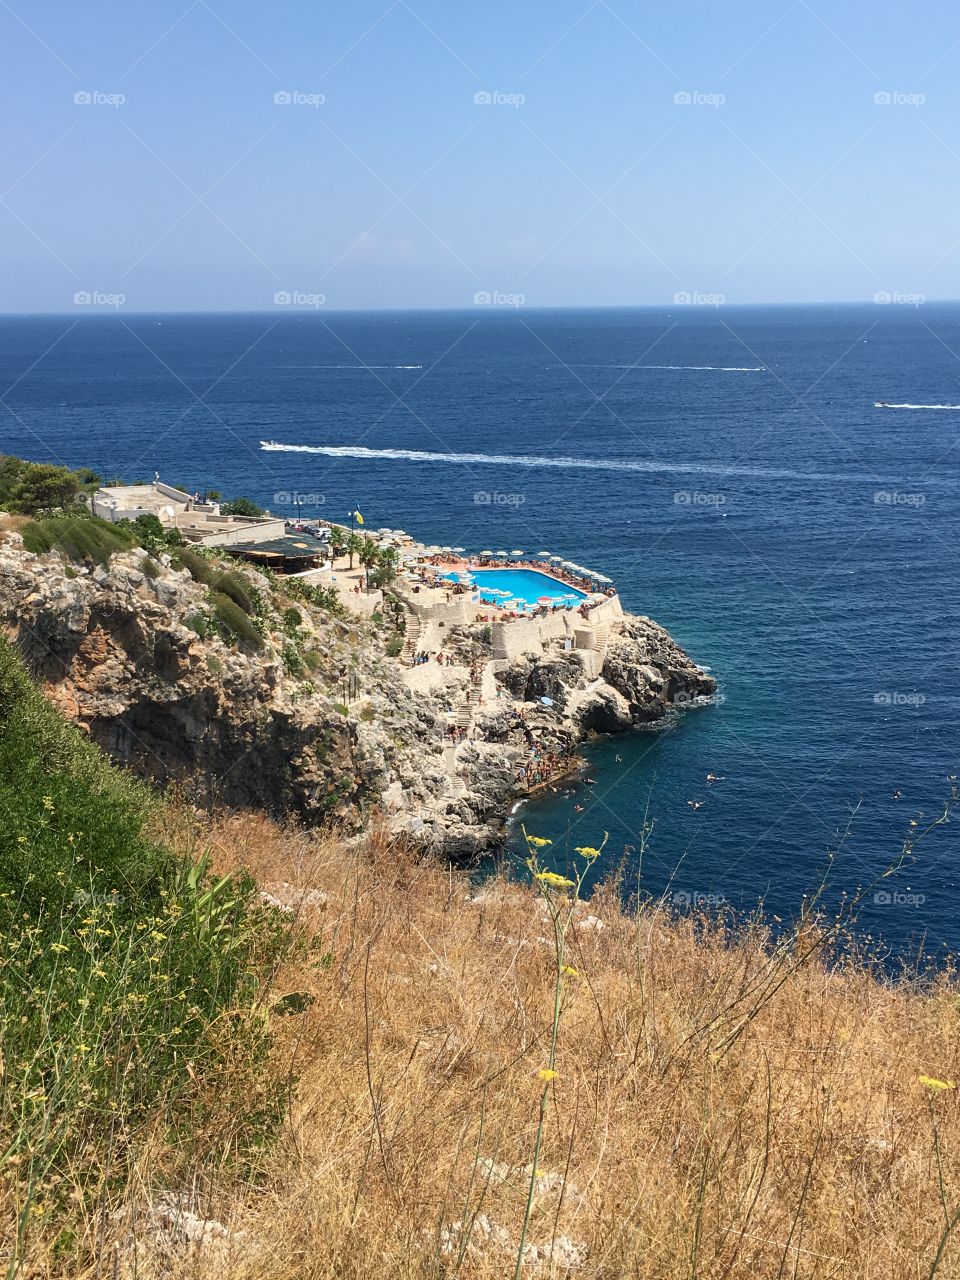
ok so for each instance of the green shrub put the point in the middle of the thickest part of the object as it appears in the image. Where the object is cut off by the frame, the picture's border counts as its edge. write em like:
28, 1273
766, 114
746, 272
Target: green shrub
292, 660
311, 659
29, 487
214, 665
233, 585
394, 646
200, 570
292, 619
199, 624
76, 537
118, 959
149, 567
240, 507
235, 623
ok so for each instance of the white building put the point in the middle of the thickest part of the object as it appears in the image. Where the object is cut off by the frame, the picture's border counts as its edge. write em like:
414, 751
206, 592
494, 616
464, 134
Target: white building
199, 522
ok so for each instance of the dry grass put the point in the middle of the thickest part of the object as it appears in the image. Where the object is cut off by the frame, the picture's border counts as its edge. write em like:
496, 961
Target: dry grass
683, 1138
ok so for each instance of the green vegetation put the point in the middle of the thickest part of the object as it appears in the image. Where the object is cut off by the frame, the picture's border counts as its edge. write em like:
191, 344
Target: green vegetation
325, 598
292, 661
232, 584
78, 538
31, 487
234, 623
240, 507
119, 961
149, 533
394, 646
199, 568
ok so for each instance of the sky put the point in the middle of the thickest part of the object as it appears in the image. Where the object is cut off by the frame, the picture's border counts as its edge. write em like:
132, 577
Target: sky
193, 155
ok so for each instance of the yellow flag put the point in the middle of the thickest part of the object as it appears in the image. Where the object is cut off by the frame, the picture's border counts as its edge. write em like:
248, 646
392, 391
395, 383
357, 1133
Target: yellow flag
359, 517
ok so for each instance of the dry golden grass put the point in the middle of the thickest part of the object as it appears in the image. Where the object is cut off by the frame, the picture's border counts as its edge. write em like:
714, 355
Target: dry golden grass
713, 1116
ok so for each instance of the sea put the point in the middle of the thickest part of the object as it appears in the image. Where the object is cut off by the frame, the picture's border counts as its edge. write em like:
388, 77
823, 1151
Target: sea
727, 467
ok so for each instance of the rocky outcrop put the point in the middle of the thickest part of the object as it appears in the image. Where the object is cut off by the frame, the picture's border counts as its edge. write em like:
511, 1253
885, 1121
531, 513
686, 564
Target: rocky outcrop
131, 653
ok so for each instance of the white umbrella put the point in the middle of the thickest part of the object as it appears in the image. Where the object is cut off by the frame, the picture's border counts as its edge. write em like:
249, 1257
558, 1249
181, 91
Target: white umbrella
546, 554
501, 553
516, 553
486, 553
557, 559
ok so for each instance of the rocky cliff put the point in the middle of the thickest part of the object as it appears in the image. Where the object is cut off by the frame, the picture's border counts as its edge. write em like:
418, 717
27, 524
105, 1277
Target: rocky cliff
315, 719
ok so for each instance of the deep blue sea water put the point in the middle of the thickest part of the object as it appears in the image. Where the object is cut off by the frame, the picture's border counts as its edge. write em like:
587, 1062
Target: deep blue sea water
799, 542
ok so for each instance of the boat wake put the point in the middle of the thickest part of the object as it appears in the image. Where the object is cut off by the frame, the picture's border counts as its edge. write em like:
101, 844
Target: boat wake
536, 460
885, 404
681, 368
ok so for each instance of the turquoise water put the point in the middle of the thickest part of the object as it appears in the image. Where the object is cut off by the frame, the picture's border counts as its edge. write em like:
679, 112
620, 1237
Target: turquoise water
525, 585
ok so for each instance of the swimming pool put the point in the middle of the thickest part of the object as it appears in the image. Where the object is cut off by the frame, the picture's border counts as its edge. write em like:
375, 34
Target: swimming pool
530, 588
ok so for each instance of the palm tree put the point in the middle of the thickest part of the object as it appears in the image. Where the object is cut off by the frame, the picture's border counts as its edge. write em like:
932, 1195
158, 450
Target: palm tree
338, 541
387, 560
367, 552
354, 544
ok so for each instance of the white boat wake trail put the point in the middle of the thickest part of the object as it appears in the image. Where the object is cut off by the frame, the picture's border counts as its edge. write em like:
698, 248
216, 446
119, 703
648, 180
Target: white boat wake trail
885, 404
681, 368
536, 460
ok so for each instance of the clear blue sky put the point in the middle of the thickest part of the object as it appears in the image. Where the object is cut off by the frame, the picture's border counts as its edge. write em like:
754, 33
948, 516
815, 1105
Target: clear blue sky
200, 192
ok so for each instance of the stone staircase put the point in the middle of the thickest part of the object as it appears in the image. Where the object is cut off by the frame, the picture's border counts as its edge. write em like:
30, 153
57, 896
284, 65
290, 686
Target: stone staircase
601, 640
412, 641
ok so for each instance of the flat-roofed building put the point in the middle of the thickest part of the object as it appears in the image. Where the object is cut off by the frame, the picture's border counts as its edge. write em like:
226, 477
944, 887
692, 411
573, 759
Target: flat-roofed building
199, 521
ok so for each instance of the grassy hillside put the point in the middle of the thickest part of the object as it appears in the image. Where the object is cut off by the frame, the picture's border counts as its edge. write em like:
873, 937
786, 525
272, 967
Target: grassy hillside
723, 1106
479, 1083
128, 986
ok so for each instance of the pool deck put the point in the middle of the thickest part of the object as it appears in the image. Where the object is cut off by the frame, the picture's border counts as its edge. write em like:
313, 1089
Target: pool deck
434, 606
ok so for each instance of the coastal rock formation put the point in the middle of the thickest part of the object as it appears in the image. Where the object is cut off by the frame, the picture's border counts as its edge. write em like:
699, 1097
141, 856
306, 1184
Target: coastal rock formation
126, 651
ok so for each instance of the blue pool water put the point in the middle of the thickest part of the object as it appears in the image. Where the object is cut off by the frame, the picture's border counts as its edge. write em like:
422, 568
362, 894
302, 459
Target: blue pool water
725, 466
525, 585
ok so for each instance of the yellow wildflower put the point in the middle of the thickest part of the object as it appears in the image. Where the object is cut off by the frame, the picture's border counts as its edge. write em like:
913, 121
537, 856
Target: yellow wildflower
538, 842
570, 971
58, 947
556, 882
933, 1083
83, 1048
588, 851
48, 802
547, 1074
